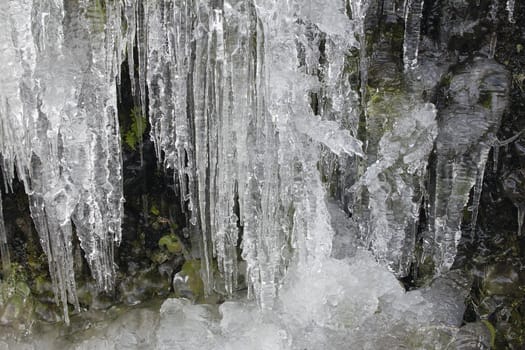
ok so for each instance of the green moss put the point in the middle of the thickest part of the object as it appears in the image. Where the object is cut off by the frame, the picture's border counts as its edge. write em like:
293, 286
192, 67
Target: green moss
394, 33
14, 283
22, 289
154, 210
160, 257
486, 100
492, 332
191, 269
383, 108
446, 80
135, 134
519, 81
16, 301
376, 98
96, 13
171, 243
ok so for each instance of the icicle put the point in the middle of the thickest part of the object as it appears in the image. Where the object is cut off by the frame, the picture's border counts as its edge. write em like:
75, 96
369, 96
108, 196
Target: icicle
492, 45
130, 16
394, 181
413, 14
462, 149
60, 130
328, 133
4, 251
521, 216
476, 196
510, 9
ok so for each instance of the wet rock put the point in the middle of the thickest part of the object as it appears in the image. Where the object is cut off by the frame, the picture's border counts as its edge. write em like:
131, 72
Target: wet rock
16, 301
47, 312
143, 285
188, 282
473, 336
504, 279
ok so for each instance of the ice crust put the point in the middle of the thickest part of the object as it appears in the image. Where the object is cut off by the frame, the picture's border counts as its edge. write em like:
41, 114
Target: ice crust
353, 303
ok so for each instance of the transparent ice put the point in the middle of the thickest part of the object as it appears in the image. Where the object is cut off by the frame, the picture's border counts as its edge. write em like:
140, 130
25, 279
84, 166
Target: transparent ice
60, 133
251, 104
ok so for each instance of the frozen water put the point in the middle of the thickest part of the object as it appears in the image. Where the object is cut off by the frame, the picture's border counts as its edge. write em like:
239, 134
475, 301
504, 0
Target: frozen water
466, 134
510, 9
230, 113
4, 252
394, 182
413, 14
60, 130
248, 99
340, 304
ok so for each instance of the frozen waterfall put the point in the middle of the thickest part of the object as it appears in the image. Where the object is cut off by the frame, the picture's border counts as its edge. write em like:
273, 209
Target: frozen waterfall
254, 106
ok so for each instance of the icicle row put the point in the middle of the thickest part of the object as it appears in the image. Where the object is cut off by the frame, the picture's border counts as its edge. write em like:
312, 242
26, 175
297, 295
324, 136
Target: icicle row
60, 128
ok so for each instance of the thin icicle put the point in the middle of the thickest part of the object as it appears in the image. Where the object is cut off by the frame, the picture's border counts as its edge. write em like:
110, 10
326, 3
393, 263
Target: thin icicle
510, 10
521, 216
4, 250
413, 14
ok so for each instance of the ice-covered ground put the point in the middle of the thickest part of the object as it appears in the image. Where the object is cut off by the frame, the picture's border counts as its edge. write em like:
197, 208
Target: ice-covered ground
342, 304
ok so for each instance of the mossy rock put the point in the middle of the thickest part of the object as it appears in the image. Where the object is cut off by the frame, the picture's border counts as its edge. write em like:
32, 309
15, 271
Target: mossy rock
171, 243
504, 279
144, 285
16, 306
47, 312
188, 282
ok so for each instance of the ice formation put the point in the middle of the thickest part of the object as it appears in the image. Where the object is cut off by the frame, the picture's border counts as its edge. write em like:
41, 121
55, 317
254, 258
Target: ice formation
345, 304
59, 129
510, 9
413, 14
229, 111
247, 101
394, 183
467, 130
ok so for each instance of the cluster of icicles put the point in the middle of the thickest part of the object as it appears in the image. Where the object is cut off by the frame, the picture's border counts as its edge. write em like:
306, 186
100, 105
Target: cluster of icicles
225, 87
229, 86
